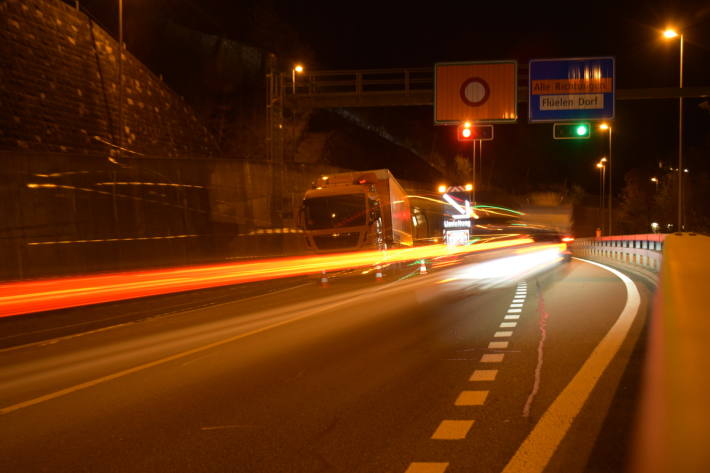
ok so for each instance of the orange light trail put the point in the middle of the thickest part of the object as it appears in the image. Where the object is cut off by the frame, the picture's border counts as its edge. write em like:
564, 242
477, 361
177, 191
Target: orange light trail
50, 294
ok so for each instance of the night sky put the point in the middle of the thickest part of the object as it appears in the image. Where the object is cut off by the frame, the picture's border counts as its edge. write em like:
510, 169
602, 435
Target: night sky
385, 34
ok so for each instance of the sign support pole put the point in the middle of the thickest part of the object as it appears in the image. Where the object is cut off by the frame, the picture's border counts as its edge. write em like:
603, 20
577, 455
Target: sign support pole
473, 162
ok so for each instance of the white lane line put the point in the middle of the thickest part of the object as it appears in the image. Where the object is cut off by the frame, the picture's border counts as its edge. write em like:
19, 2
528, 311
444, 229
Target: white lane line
515, 310
518, 300
471, 398
498, 345
452, 430
539, 446
512, 317
427, 467
516, 305
484, 375
492, 358
503, 334
508, 324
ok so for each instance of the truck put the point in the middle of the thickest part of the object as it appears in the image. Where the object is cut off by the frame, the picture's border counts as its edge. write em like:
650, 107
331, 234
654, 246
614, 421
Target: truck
356, 210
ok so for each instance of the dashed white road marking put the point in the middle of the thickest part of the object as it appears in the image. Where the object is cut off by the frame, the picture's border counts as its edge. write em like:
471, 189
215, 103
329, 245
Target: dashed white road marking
471, 398
452, 430
502, 334
484, 375
427, 467
497, 345
508, 324
512, 317
516, 305
518, 300
492, 358
536, 450
515, 310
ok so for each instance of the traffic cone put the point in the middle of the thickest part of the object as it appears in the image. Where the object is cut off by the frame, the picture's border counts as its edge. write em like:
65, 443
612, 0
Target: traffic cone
378, 273
323, 279
422, 266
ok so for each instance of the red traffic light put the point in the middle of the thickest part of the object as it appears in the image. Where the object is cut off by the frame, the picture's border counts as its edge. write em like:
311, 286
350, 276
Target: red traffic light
468, 132
464, 132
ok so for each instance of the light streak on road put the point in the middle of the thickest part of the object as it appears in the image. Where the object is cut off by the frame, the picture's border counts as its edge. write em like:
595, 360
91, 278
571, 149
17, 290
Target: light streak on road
51, 294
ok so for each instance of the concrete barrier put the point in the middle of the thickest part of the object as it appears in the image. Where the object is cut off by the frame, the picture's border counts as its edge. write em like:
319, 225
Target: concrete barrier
673, 425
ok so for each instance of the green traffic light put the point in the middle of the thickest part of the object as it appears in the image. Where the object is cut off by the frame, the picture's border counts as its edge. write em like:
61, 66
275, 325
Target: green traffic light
581, 130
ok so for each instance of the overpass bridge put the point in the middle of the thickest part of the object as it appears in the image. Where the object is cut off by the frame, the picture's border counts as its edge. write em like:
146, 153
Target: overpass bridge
409, 87
399, 87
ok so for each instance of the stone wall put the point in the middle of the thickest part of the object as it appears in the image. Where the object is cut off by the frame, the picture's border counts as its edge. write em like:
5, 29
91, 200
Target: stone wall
59, 89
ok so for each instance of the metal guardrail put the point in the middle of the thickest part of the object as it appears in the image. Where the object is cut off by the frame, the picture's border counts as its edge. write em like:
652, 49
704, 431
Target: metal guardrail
641, 253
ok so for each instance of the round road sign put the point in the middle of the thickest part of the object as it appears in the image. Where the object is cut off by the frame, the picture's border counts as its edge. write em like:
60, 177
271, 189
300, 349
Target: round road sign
474, 91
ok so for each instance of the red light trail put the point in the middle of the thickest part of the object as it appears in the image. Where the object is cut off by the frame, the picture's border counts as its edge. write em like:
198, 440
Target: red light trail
25, 297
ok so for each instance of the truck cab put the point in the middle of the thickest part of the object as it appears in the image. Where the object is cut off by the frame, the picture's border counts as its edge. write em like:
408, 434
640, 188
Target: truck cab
356, 210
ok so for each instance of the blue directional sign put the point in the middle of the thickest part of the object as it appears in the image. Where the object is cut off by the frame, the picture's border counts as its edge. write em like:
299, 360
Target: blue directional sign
571, 89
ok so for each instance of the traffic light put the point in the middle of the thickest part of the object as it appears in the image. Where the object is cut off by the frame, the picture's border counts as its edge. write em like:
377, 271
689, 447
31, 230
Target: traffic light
571, 131
468, 132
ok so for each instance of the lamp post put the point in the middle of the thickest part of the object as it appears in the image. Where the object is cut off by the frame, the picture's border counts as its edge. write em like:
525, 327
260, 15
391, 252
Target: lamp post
671, 33
297, 68
655, 181
601, 165
606, 127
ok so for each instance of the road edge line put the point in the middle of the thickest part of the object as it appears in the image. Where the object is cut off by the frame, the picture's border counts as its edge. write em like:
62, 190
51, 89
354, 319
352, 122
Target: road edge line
537, 449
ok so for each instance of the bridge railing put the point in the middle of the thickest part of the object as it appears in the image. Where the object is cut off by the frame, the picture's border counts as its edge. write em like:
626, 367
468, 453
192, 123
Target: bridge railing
359, 81
641, 253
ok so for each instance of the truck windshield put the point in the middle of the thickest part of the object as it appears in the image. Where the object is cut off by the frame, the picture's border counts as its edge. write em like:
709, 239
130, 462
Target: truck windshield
335, 211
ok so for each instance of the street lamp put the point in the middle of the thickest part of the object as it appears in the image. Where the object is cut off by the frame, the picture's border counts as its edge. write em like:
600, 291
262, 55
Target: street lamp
601, 165
607, 127
671, 33
655, 181
297, 68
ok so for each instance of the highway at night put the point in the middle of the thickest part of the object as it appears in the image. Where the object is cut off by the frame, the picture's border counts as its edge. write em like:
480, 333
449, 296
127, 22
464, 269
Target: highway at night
433, 372
373, 237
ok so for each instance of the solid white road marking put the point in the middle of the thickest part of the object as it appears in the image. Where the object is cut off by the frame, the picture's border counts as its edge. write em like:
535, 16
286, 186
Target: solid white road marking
498, 345
539, 446
452, 430
471, 398
508, 324
484, 375
426, 467
503, 334
492, 358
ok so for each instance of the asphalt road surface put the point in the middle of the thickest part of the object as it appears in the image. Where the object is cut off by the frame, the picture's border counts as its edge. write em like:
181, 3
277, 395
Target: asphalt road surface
424, 374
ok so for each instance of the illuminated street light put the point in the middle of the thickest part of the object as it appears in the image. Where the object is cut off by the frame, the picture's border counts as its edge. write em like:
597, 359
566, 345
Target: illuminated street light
607, 127
602, 181
469, 187
671, 33
297, 68
442, 189
655, 181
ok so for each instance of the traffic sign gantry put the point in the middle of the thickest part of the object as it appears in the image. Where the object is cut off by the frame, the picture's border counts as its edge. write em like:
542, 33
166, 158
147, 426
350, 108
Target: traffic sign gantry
571, 89
475, 91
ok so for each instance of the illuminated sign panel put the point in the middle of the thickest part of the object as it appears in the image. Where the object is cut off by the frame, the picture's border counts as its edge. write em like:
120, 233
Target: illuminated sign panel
479, 92
571, 89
